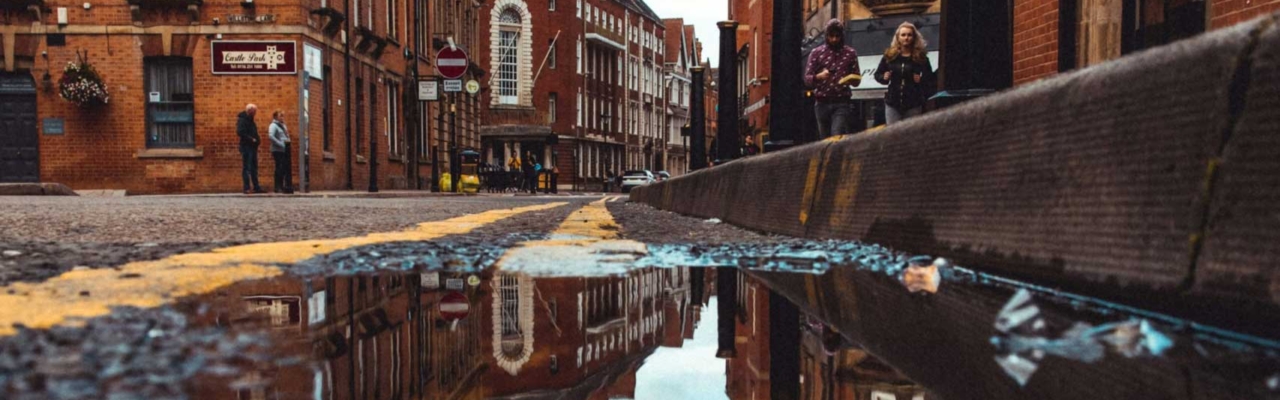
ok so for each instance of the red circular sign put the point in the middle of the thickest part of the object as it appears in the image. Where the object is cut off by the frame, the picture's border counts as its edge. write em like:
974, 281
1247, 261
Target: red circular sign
454, 306
451, 63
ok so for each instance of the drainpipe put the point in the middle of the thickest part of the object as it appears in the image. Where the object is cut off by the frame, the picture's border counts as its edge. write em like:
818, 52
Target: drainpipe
346, 69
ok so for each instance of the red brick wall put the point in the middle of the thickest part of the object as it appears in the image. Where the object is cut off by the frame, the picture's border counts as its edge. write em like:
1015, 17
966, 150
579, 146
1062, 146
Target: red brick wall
1035, 40
101, 147
1230, 12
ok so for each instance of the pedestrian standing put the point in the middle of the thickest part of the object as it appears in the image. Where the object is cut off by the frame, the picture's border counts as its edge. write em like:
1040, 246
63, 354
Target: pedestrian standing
530, 175
279, 135
832, 68
908, 73
247, 130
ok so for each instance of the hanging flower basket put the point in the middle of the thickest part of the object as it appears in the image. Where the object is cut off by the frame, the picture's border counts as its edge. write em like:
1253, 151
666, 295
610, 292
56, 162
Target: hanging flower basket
82, 85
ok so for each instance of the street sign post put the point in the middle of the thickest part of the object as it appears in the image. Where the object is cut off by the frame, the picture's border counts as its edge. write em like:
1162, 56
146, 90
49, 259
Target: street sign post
452, 85
428, 90
451, 62
454, 306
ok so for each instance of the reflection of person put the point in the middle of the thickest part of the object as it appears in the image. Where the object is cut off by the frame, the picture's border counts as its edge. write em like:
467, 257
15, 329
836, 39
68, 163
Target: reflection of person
906, 70
279, 135
831, 70
749, 147
247, 130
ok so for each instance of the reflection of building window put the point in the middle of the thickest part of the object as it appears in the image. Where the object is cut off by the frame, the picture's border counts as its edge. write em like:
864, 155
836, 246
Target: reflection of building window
170, 103
509, 289
512, 321
282, 311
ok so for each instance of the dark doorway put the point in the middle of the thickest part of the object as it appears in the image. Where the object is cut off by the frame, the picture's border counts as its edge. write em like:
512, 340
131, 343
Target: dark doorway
19, 140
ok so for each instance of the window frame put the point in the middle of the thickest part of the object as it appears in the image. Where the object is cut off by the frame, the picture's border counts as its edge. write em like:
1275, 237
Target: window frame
150, 122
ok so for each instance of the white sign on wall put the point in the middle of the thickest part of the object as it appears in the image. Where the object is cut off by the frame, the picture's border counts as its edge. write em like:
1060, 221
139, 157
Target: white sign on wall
313, 61
315, 308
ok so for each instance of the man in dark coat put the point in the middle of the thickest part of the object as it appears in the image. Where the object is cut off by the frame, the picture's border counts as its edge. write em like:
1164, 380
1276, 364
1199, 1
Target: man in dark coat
247, 130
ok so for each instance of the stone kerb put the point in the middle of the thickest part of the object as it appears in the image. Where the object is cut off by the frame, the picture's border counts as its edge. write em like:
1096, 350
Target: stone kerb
1092, 179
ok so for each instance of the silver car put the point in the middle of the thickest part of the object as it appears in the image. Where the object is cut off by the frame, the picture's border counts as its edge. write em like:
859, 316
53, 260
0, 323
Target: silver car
632, 179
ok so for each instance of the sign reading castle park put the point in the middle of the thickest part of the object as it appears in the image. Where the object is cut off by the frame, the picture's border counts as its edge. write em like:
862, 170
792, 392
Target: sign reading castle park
255, 57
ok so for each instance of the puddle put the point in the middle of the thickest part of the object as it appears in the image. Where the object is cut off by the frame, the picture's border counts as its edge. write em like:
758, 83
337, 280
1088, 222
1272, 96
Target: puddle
474, 319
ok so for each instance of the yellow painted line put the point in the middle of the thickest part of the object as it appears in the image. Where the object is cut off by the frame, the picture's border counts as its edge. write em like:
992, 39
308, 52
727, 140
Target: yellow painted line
810, 185
846, 191
59, 300
587, 242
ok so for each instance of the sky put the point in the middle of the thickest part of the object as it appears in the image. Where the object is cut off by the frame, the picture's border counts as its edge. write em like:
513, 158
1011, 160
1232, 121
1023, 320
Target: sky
703, 15
691, 372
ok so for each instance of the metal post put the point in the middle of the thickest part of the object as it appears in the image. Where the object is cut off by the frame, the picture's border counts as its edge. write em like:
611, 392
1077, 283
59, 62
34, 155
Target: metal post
435, 155
727, 307
698, 127
454, 168
786, 89
304, 135
727, 136
784, 348
373, 146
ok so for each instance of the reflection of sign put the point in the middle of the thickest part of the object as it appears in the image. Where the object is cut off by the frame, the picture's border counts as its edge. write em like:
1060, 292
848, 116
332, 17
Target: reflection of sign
452, 86
473, 280
283, 311
312, 61
453, 284
315, 308
428, 91
430, 280
53, 126
473, 87
251, 19
244, 57
454, 306
451, 62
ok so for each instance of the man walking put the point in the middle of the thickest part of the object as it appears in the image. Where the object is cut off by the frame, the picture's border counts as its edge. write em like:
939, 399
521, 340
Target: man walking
832, 68
249, 140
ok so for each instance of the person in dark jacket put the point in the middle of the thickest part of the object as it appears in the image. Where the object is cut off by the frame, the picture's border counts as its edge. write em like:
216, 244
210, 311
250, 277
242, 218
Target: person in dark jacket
908, 73
530, 175
831, 70
247, 130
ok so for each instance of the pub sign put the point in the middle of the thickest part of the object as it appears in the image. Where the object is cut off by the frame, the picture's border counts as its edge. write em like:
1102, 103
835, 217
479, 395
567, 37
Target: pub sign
255, 57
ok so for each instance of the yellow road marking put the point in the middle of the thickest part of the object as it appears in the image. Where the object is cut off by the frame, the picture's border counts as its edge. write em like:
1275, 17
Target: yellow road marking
59, 300
587, 242
846, 191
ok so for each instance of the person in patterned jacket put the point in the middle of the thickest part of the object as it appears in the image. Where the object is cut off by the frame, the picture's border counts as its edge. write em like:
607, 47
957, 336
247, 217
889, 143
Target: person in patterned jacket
831, 70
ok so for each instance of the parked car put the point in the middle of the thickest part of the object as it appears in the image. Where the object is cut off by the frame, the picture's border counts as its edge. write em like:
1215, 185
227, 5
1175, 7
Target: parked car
663, 175
631, 179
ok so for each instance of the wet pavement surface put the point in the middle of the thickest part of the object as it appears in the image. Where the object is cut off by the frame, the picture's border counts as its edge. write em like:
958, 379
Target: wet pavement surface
604, 300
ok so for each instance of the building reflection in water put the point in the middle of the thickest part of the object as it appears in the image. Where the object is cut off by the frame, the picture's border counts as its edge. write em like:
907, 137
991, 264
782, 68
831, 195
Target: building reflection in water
830, 367
384, 337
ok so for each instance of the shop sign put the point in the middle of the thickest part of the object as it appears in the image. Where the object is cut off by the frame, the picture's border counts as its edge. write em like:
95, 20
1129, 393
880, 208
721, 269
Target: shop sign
313, 61
251, 19
255, 58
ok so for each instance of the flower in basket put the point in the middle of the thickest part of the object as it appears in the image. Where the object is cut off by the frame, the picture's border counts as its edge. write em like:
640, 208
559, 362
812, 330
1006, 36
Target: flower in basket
82, 85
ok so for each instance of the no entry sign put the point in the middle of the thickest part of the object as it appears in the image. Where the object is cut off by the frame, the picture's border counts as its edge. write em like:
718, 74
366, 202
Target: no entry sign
451, 63
454, 306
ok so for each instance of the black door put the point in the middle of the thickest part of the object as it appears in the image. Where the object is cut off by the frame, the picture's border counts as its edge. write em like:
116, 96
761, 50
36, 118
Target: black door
19, 141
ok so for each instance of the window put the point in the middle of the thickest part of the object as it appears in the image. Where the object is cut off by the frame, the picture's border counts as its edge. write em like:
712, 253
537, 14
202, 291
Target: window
171, 119
508, 57
355, 5
373, 112
551, 108
579, 107
359, 115
328, 118
551, 5
393, 120
551, 54
579, 9
424, 34
578, 50
392, 20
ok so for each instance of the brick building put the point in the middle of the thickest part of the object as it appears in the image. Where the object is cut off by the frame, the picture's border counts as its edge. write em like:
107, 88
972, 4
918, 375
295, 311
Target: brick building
681, 55
1051, 36
169, 126
574, 82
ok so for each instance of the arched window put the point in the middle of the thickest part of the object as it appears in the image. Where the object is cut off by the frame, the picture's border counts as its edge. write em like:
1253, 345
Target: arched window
509, 25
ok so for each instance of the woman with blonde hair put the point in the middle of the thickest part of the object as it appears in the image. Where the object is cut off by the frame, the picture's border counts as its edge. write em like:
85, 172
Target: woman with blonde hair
906, 70
279, 135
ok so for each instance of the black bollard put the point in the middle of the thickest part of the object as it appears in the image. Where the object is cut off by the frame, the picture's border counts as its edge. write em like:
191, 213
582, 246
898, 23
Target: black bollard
698, 127
784, 348
786, 89
727, 139
727, 307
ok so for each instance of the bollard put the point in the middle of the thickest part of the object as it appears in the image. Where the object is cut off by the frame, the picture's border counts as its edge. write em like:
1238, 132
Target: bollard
727, 291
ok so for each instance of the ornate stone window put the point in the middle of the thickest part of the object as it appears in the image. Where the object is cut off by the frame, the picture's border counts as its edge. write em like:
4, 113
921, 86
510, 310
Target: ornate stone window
511, 56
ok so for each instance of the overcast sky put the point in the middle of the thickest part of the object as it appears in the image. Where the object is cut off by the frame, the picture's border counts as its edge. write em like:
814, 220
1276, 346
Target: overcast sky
703, 15
691, 372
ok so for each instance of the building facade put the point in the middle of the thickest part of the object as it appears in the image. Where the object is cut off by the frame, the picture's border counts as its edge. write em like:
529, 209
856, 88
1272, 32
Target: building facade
576, 85
178, 72
1057, 36
681, 56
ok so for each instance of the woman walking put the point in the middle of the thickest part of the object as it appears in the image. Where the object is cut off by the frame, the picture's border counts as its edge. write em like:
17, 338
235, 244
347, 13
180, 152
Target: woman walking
906, 70
279, 135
